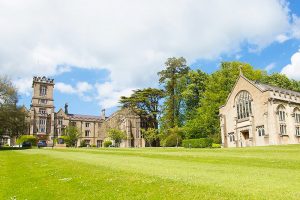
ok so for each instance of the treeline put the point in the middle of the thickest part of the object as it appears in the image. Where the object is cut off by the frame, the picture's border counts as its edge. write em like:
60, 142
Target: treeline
187, 104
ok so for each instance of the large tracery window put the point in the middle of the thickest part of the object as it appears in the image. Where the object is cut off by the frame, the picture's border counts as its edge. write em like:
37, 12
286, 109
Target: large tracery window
243, 105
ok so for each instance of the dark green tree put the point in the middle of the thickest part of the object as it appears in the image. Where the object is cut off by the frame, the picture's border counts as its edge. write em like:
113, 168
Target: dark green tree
116, 135
72, 135
145, 102
171, 79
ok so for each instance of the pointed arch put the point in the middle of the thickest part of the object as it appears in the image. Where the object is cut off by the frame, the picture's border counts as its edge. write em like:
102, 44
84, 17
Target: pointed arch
243, 102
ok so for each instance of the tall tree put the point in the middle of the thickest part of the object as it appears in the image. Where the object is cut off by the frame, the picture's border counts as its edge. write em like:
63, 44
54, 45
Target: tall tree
145, 102
170, 78
72, 134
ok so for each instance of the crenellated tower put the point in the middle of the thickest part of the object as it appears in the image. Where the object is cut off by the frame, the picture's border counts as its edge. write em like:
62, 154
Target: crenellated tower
42, 108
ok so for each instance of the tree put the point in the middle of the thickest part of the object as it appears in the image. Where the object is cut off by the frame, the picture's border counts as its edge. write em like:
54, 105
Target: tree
145, 103
150, 135
12, 117
170, 78
172, 137
218, 86
72, 134
116, 135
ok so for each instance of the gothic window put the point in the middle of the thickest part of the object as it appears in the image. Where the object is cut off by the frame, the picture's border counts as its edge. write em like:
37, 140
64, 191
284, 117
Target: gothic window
60, 122
87, 125
297, 115
261, 130
42, 125
42, 111
231, 137
243, 105
282, 129
281, 113
43, 90
87, 133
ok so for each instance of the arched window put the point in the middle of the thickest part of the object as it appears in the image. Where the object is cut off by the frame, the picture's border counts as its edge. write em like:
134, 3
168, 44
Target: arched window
297, 115
243, 105
281, 113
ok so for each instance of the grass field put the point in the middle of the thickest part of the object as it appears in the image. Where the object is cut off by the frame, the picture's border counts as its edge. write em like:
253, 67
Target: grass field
248, 173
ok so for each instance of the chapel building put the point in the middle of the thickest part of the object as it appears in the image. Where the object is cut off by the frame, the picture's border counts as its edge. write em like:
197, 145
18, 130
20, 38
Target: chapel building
257, 114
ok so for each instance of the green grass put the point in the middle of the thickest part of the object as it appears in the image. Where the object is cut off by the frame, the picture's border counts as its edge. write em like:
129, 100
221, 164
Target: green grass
155, 173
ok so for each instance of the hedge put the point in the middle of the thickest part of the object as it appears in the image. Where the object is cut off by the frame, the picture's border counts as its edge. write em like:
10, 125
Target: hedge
197, 143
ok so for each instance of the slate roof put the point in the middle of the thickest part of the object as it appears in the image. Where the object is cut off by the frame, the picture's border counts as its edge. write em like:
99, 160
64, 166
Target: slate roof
265, 87
84, 117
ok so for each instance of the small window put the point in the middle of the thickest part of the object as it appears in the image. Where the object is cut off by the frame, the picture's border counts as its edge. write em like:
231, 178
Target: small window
87, 125
43, 101
60, 122
297, 130
297, 117
231, 137
282, 129
42, 111
87, 133
260, 130
73, 123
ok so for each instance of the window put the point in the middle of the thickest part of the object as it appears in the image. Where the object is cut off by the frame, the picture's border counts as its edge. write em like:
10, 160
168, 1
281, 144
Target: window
243, 105
231, 137
297, 130
87, 142
297, 115
42, 125
60, 122
43, 101
87, 133
282, 129
43, 90
87, 124
42, 111
73, 123
260, 130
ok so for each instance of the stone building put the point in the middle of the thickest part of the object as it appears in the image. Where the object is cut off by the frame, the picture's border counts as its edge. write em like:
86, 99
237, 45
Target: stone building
257, 114
47, 124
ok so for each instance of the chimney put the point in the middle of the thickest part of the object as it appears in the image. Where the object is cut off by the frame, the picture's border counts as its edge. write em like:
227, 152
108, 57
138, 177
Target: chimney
103, 113
66, 108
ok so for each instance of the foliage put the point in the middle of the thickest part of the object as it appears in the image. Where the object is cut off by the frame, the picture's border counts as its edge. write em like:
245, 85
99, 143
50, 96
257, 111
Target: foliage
171, 79
197, 143
93, 145
107, 143
145, 103
150, 135
116, 135
83, 143
172, 137
27, 138
214, 145
72, 134
218, 86
8, 93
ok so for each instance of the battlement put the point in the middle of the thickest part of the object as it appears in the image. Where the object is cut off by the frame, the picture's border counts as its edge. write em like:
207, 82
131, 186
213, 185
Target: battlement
42, 80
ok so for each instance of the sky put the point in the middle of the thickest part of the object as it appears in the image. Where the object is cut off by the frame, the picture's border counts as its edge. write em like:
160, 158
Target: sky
99, 50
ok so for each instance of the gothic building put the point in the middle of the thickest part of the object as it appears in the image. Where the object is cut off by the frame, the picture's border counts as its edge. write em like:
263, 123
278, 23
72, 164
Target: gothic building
257, 114
47, 124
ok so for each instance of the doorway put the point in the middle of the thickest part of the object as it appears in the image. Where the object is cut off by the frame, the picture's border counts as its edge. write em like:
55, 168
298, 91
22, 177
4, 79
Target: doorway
245, 138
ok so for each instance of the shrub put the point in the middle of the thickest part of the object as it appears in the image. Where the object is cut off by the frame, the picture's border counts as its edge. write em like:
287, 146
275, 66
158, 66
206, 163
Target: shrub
172, 140
107, 143
214, 145
6, 145
28, 138
197, 143
94, 145
82, 143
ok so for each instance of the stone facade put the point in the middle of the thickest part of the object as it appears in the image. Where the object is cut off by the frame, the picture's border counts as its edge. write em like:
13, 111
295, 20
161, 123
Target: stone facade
256, 114
47, 124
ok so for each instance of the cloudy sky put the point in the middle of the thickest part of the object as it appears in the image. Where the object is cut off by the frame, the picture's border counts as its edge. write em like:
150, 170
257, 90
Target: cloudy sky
98, 50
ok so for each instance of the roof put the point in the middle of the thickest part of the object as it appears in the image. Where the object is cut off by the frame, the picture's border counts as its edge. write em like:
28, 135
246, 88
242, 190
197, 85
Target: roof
84, 117
265, 87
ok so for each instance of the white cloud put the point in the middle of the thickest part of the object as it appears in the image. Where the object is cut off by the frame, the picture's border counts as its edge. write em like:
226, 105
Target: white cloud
81, 89
130, 39
269, 67
293, 70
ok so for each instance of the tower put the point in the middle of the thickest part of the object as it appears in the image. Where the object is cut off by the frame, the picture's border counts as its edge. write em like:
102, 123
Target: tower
42, 108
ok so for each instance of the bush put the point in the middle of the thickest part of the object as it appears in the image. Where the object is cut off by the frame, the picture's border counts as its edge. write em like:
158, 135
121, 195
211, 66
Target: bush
28, 138
94, 145
82, 143
214, 145
107, 143
172, 140
197, 143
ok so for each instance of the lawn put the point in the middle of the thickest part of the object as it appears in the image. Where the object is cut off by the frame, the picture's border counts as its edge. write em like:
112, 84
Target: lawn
151, 173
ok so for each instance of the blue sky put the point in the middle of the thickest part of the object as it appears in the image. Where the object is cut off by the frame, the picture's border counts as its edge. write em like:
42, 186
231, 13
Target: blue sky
100, 51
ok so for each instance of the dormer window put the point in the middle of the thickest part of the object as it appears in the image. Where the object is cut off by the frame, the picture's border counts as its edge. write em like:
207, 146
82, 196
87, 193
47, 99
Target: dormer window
243, 105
